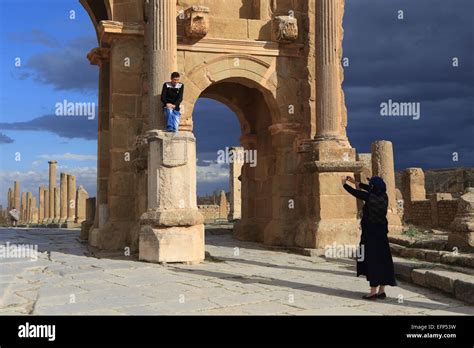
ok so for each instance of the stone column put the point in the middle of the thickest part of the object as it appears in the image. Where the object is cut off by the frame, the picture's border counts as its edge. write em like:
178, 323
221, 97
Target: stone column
90, 216
101, 56
71, 198
223, 206
332, 214
63, 206
330, 109
52, 185
384, 167
163, 50
172, 229
29, 207
81, 198
23, 208
118, 224
16, 195
41, 205
34, 211
57, 203
236, 185
413, 185
10, 200
46, 206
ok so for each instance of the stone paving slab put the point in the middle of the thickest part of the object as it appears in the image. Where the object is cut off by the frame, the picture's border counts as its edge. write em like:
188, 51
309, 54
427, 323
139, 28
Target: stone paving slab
237, 278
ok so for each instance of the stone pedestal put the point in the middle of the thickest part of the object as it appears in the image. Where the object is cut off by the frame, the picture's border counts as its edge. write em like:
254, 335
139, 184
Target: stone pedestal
172, 229
462, 235
383, 166
335, 211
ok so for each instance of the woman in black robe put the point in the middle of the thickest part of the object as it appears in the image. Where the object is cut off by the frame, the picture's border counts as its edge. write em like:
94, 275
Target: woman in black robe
376, 263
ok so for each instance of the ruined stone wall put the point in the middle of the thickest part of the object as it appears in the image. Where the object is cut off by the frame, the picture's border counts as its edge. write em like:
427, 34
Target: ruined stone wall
420, 213
446, 212
453, 180
211, 213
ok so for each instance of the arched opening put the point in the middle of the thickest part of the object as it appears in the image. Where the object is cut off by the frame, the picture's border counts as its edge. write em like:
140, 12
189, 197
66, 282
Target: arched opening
249, 102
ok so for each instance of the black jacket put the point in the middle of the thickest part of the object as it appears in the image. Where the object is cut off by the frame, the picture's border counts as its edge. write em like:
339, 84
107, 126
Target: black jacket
172, 95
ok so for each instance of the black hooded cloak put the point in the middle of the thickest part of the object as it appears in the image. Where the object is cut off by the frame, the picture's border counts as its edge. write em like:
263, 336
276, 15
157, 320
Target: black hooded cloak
376, 262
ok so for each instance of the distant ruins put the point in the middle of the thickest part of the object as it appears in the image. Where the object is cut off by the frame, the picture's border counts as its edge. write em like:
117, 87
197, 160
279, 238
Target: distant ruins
63, 206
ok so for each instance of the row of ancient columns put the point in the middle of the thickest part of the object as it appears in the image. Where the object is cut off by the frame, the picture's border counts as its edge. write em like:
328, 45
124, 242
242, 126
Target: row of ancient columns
55, 205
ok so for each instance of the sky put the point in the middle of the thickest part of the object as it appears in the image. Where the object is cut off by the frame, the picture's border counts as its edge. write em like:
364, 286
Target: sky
407, 60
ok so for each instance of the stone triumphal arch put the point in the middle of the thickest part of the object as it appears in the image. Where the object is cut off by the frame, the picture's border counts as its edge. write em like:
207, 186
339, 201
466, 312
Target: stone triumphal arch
276, 64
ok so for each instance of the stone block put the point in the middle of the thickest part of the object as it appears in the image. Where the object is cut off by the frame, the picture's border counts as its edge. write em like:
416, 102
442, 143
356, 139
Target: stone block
174, 244
464, 289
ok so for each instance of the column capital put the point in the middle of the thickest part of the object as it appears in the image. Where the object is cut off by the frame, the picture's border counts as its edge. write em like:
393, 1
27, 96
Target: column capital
98, 55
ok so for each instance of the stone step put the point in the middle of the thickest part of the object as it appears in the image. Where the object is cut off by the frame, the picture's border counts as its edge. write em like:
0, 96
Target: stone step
458, 259
406, 241
429, 275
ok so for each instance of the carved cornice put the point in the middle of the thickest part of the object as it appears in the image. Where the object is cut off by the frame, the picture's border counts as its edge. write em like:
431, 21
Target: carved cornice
261, 48
108, 30
285, 128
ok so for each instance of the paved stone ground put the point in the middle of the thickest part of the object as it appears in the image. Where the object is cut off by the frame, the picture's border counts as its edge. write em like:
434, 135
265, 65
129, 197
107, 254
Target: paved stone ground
237, 278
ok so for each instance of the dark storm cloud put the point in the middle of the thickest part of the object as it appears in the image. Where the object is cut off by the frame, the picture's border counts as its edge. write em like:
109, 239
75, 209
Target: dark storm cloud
65, 68
64, 126
410, 60
5, 139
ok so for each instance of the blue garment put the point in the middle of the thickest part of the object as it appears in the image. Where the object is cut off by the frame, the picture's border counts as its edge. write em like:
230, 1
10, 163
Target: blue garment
172, 120
377, 185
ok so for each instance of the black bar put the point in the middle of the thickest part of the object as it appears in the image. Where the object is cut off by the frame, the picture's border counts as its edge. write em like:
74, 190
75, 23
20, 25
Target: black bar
174, 331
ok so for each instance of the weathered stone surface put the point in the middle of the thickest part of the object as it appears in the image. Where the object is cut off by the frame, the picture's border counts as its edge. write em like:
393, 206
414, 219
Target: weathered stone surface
197, 21
462, 236
285, 29
225, 51
442, 280
223, 211
115, 284
173, 244
81, 198
464, 289
383, 166
418, 276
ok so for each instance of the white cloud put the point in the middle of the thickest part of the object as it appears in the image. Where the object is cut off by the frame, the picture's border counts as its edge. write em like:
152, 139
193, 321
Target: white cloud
69, 157
216, 172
